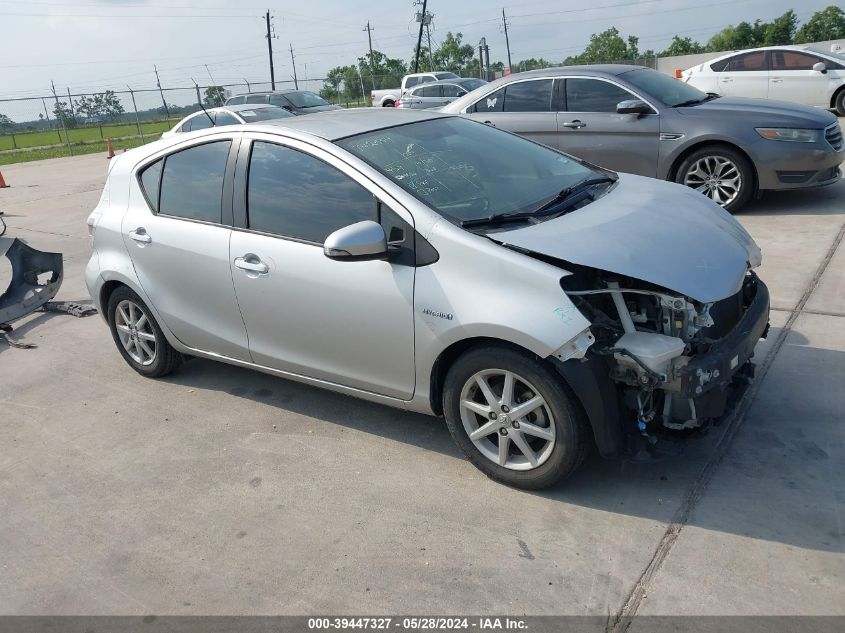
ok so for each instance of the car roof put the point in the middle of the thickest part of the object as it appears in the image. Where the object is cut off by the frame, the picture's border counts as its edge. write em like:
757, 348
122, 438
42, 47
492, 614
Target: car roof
337, 124
790, 47
240, 107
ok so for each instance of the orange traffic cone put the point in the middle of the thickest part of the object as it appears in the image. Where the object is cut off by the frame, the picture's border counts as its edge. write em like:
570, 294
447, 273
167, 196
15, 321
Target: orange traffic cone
111, 149
3, 184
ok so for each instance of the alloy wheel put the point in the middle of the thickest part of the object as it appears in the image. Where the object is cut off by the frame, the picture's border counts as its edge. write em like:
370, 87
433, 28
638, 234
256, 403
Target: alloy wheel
507, 419
135, 331
716, 177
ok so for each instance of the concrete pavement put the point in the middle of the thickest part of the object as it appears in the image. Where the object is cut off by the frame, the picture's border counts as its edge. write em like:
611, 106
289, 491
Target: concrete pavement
224, 491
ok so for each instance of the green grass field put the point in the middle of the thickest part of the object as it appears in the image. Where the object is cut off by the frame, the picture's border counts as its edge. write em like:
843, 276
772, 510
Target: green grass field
59, 151
85, 134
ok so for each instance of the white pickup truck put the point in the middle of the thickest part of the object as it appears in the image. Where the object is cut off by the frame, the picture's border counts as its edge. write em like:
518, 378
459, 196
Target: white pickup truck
387, 97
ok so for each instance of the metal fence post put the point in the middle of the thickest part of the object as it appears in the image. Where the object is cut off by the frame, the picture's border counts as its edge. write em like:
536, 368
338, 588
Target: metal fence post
62, 121
137, 118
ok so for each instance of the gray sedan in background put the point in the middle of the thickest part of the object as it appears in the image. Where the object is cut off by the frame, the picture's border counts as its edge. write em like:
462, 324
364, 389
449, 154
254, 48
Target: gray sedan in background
637, 120
436, 94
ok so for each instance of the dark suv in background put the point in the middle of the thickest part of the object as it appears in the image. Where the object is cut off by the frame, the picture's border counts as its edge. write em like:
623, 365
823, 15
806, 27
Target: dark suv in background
296, 101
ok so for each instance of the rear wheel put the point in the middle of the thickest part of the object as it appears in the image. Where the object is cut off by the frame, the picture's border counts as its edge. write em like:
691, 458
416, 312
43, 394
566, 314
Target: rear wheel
388, 104
138, 337
720, 173
513, 418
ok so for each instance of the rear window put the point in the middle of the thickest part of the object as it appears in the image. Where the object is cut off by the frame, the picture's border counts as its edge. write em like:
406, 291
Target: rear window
256, 99
264, 114
305, 99
192, 182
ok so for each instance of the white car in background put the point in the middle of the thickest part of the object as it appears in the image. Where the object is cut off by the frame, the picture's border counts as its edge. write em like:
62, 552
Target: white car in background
227, 115
788, 73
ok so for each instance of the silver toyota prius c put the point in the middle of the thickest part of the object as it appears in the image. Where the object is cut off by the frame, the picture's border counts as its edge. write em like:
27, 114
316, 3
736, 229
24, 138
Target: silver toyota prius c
542, 305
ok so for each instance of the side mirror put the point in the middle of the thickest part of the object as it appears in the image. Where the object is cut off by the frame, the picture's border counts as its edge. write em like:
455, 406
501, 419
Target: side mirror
633, 106
357, 242
819, 67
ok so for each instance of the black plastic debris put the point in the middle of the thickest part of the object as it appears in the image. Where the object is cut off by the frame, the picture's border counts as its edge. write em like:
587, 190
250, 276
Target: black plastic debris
36, 278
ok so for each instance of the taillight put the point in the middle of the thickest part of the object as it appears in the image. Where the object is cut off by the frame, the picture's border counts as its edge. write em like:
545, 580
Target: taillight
398, 104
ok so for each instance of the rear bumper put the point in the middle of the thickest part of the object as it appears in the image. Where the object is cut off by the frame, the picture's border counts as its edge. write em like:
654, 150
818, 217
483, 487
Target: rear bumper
716, 369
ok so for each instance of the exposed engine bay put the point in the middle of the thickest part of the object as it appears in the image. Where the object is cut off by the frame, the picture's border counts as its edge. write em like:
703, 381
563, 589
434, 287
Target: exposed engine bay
675, 360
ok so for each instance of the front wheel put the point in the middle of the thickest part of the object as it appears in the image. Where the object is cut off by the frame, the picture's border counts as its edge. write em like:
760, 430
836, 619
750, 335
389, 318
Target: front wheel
840, 103
720, 173
513, 417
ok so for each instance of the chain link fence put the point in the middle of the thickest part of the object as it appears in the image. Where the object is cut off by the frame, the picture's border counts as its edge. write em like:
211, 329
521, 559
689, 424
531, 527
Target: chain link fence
70, 123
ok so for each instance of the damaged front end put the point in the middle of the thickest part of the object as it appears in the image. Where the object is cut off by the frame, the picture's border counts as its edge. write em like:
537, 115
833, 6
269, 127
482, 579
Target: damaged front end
675, 362
35, 280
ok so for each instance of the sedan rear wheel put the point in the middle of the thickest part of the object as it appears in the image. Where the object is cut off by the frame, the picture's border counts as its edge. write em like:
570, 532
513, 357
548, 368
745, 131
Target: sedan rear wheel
514, 418
720, 173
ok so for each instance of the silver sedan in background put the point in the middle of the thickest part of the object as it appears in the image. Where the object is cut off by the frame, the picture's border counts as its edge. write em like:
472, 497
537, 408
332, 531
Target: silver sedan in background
436, 94
228, 115
637, 120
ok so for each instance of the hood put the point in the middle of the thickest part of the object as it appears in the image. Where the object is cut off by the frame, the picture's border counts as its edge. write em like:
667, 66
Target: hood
322, 108
654, 231
762, 112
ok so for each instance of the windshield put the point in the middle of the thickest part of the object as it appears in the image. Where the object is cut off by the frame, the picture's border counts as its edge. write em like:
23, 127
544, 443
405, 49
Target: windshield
835, 55
264, 114
663, 88
465, 170
305, 99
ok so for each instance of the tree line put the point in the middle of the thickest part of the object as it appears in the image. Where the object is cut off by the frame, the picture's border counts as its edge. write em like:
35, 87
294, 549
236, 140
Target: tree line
353, 82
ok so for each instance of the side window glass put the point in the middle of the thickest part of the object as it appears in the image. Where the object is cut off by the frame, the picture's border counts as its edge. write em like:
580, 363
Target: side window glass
236, 100
192, 182
279, 100
256, 99
186, 126
429, 91
747, 62
451, 90
200, 122
224, 118
493, 102
529, 96
593, 95
792, 60
150, 182
721, 65
292, 194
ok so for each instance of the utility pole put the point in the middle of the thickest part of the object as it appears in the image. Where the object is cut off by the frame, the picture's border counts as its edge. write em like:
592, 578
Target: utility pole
293, 63
427, 19
481, 46
419, 36
369, 30
161, 92
61, 116
269, 37
507, 41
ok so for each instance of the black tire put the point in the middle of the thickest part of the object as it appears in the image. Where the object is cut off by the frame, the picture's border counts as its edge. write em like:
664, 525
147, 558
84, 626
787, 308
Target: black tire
840, 103
720, 152
572, 434
165, 359
388, 104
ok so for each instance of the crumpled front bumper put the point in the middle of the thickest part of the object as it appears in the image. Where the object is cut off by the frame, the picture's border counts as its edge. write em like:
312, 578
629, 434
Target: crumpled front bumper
717, 368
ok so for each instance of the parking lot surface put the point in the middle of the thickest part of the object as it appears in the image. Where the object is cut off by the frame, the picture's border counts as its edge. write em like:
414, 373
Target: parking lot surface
224, 491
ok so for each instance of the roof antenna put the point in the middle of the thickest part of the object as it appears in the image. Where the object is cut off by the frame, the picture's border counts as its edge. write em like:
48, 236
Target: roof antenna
199, 101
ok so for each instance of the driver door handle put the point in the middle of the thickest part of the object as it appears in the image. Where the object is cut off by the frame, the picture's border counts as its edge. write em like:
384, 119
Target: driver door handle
575, 125
140, 235
252, 264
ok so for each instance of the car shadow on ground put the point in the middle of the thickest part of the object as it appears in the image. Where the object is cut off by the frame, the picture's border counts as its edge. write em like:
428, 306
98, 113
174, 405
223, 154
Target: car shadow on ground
777, 461
823, 201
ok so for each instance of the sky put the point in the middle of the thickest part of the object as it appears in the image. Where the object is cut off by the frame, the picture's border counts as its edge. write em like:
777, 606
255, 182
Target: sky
94, 45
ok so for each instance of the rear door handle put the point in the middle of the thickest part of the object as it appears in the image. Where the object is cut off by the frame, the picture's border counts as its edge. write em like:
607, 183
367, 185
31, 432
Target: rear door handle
490, 123
575, 125
777, 80
726, 80
140, 235
251, 263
